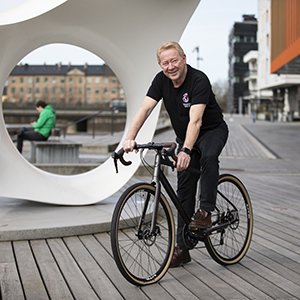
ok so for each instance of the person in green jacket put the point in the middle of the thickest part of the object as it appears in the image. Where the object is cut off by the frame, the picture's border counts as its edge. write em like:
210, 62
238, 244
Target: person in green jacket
41, 129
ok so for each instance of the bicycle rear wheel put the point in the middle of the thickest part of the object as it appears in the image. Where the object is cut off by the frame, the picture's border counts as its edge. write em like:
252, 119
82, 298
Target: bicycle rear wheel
229, 245
141, 256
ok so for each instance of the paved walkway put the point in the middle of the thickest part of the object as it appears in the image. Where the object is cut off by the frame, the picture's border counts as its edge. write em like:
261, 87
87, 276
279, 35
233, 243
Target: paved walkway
55, 252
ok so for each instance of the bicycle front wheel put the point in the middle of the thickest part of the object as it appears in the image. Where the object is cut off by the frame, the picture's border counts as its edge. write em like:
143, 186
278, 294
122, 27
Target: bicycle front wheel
142, 255
229, 245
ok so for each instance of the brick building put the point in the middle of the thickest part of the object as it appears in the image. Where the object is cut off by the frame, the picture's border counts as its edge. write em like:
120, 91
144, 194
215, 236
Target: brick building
63, 84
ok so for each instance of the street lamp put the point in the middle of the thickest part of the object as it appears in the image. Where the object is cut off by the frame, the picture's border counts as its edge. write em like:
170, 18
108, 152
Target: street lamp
198, 58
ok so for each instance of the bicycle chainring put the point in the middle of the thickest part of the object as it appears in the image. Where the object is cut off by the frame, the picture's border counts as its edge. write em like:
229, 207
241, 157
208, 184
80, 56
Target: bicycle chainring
189, 241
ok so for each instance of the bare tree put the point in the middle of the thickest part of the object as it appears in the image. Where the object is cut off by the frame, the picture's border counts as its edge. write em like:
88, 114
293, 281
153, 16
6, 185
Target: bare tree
220, 89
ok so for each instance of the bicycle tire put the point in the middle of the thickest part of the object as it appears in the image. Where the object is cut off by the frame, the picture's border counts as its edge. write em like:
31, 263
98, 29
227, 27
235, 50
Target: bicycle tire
231, 245
142, 259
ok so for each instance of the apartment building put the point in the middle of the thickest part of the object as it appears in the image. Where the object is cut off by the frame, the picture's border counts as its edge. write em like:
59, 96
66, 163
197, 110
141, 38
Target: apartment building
279, 56
242, 39
63, 84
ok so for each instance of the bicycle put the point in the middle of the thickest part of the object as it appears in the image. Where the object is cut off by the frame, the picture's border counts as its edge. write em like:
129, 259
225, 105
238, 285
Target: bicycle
143, 227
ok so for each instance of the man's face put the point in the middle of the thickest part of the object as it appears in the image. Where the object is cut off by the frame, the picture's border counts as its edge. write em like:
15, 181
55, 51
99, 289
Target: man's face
172, 64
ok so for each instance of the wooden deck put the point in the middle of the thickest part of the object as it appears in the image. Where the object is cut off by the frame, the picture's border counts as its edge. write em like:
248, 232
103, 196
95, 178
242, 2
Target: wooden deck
82, 267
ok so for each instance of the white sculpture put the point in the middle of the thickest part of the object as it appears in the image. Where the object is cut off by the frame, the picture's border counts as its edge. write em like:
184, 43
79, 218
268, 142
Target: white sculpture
125, 33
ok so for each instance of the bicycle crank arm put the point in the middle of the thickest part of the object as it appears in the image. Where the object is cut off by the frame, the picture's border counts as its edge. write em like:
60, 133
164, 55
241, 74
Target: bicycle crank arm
205, 232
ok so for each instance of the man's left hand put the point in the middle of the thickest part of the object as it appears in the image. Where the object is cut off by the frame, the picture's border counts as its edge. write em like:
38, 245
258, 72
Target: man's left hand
183, 161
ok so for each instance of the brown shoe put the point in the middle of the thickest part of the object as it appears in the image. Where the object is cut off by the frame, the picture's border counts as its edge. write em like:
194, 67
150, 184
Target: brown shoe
201, 219
180, 257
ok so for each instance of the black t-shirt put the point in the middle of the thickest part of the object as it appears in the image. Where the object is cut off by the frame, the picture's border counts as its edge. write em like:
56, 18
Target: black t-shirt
196, 89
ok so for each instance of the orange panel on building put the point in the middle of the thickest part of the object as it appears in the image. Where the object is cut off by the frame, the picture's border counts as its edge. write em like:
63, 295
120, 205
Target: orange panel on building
285, 32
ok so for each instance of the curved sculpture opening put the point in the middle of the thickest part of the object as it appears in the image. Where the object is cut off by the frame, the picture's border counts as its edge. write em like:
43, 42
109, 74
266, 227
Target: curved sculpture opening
87, 97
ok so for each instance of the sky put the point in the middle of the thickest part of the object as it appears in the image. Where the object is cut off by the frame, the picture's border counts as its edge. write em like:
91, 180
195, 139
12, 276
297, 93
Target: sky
208, 29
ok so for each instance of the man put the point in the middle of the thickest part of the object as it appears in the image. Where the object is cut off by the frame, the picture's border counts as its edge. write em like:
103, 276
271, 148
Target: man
41, 129
200, 130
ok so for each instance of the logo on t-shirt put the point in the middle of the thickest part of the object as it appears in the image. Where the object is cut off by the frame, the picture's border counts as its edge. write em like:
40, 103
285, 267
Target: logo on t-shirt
186, 100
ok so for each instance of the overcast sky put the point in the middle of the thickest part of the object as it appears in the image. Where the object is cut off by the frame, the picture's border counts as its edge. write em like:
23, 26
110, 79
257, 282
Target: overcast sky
208, 29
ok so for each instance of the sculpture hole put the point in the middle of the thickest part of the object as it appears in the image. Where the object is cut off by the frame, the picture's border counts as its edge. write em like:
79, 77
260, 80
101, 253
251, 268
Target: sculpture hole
88, 99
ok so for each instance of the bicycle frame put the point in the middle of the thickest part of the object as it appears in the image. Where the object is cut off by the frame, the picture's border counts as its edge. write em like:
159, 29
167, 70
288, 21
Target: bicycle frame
159, 178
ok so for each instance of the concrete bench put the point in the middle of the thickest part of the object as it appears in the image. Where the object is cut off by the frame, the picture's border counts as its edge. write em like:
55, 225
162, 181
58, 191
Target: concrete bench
54, 151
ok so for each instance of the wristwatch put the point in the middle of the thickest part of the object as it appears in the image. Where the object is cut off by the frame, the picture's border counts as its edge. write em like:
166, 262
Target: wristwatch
186, 150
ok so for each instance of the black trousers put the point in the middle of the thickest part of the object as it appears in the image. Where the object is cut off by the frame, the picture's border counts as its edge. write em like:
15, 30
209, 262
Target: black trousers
204, 157
30, 135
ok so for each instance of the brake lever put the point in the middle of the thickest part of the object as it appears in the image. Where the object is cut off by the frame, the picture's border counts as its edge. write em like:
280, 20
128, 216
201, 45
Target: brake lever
119, 155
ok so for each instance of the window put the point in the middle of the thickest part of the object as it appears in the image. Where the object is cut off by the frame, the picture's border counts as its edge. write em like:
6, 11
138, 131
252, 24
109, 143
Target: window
236, 39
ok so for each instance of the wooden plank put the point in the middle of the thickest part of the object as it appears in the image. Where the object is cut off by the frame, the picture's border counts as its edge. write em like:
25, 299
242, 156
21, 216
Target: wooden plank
77, 282
279, 258
273, 284
107, 263
153, 291
101, 284
53, 279
234, 286
293, 249
191, 282
290, 232
10, 284
31, 280
168, 285
276, 247
276, 230
215, 286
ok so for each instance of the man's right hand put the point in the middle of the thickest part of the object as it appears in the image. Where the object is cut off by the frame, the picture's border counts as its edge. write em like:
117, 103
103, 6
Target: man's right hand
129, 145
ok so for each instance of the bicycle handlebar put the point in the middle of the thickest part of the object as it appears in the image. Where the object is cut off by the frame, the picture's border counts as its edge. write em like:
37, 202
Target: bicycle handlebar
168, 147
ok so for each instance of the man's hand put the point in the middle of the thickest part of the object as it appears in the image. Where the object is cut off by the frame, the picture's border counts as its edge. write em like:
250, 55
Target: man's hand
183, 161
129, 145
